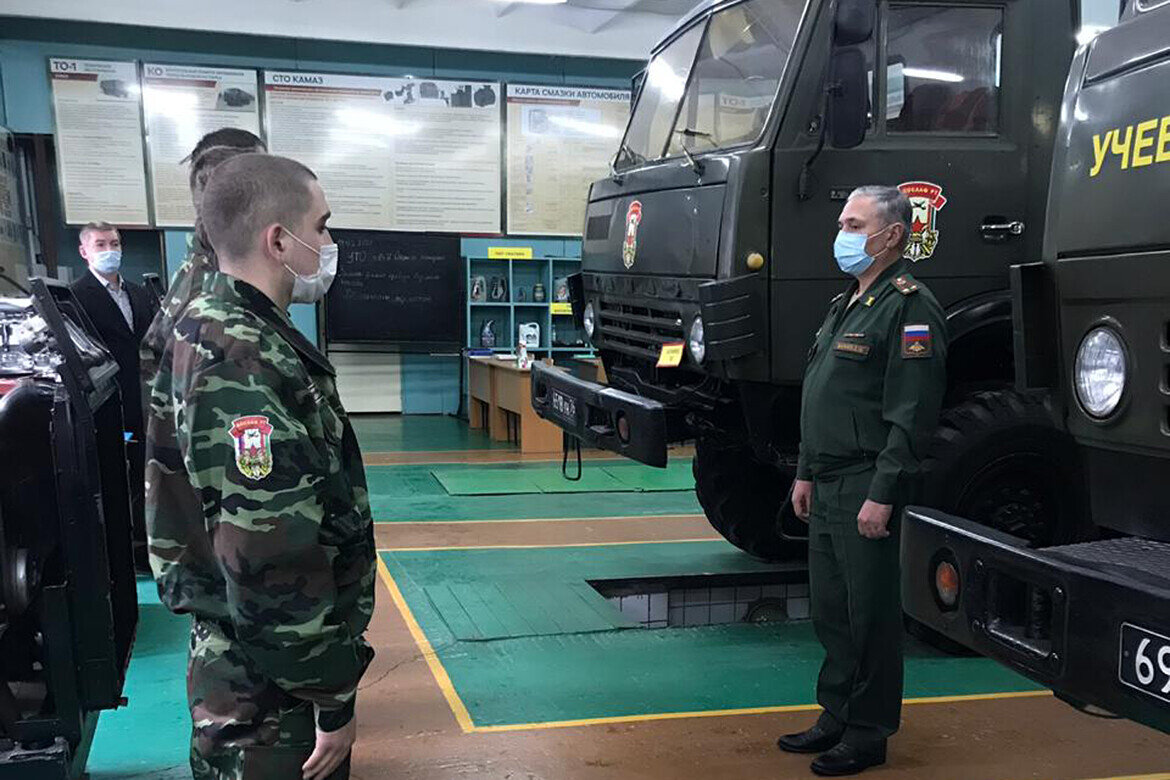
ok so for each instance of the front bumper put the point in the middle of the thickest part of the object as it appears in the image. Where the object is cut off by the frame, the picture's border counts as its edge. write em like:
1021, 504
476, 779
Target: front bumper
1055, 615
601, 416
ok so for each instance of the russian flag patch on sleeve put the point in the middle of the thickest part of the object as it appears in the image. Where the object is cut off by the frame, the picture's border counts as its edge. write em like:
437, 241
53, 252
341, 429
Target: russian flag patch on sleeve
916, 341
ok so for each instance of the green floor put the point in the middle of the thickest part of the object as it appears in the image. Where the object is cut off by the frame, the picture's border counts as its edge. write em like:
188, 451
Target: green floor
603, 672
516, 664
414, 493
149, 738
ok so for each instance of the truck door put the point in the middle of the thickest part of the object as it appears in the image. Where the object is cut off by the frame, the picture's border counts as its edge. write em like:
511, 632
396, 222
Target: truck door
963, 109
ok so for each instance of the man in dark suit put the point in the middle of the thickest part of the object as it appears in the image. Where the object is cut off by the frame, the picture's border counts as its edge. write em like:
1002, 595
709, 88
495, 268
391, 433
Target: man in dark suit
121, 311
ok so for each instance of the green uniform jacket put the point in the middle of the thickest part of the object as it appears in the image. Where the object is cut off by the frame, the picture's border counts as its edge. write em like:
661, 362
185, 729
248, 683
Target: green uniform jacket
257, 509
193, 274
874, 385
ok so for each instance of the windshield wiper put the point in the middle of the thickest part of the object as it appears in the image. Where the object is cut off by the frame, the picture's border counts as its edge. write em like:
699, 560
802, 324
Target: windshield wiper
630, 154
690, 132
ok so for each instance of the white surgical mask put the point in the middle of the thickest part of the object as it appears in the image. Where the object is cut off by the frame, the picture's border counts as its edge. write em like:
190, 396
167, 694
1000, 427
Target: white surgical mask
312, 288
107, 261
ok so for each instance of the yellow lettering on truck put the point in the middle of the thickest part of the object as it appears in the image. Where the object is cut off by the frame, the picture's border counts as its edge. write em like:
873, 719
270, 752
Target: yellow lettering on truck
1100, 149
1144, 140
1123, 148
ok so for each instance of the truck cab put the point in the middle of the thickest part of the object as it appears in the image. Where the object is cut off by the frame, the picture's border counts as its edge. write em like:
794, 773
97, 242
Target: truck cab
707, 258
1092, 328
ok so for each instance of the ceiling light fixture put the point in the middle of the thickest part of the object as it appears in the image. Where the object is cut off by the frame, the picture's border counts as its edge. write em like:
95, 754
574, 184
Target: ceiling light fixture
932, 75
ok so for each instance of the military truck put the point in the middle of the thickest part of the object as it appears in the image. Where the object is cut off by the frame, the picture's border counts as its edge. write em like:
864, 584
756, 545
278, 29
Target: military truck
707, 255
1089, 620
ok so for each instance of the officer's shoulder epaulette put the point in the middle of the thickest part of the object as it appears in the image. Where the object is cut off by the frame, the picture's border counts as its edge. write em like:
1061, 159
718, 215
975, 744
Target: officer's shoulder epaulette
905, 285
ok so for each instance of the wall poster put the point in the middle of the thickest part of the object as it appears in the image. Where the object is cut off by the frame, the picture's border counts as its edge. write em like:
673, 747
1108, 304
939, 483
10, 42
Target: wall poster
560, 140
184, 103
13, 252
97, 106
393, 154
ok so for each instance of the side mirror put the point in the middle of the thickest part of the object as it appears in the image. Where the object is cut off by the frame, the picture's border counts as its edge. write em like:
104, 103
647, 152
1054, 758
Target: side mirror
854, 22
848, 114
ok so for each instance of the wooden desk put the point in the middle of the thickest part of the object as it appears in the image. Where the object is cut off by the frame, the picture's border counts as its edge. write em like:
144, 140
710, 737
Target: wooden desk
501, 392
592, 370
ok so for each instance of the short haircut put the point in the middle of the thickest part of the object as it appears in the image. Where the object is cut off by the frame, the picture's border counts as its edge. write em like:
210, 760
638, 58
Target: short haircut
891, 204
248, 193
226, 136
206, 162
94, 227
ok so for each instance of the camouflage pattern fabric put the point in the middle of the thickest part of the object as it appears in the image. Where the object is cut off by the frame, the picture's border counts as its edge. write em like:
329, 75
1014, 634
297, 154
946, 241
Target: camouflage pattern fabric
259, 526
189, 281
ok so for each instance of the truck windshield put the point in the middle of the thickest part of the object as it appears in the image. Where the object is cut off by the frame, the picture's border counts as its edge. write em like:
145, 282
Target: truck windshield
724, 73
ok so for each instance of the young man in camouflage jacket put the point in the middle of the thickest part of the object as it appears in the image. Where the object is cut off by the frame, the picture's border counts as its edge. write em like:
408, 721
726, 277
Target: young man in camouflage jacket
257, 509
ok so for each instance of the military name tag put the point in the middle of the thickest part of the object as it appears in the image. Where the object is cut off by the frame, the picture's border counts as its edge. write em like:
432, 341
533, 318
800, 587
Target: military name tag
671, 355
916, 341
852, 348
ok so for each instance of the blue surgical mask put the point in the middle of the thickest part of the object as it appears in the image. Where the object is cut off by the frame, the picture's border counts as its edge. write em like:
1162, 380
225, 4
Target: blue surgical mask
108, 261
849, 249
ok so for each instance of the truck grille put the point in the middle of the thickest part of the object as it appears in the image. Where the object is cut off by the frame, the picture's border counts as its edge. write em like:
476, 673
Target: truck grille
637, 328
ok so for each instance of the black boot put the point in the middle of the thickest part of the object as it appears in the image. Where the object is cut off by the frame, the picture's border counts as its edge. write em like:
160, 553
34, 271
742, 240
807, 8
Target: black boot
816, 740
846, 759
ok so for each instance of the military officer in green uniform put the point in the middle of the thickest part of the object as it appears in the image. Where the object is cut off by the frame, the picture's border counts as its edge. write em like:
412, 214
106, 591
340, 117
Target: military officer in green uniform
872, 391
257, 509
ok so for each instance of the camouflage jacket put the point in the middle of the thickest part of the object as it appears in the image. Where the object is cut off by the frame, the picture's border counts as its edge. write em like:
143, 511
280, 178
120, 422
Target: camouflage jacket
189, 280
257, 510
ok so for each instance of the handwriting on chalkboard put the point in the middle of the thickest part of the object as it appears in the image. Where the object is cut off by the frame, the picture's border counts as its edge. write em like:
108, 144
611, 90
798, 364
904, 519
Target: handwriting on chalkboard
396, 288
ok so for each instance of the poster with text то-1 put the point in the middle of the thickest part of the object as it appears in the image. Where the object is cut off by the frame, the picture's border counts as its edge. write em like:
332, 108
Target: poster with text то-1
182, 104
98, 114
560, 140
393, 154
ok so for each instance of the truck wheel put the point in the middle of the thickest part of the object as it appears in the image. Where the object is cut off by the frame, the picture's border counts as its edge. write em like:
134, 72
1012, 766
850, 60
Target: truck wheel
743, 498
998, 459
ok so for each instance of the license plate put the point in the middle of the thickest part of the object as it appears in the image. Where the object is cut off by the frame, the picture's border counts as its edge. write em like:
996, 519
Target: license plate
1145, 661
564, 407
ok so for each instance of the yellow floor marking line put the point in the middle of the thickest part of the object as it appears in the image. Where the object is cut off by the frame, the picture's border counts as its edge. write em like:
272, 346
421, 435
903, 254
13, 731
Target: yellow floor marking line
655, 716
424, 645
545, 546
680, 515
463, 717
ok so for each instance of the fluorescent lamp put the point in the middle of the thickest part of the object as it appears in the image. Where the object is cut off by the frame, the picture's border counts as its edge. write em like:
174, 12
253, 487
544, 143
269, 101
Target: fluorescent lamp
585, 128
932, 75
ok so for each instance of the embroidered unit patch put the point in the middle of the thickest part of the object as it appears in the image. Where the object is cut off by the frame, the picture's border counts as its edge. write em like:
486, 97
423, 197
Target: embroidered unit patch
916, 341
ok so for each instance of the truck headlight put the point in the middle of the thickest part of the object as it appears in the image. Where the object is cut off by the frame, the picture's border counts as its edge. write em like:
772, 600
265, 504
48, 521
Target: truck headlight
588, 319
1100, 372
697, 341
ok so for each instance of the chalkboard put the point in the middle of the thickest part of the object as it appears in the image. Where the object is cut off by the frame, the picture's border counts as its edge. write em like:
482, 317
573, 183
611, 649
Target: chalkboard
396, 289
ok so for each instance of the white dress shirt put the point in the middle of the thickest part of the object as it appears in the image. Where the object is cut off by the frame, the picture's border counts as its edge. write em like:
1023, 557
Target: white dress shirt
120, 296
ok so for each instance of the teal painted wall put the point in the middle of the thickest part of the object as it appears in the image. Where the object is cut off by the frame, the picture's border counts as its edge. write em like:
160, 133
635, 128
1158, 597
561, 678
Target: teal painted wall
429, 383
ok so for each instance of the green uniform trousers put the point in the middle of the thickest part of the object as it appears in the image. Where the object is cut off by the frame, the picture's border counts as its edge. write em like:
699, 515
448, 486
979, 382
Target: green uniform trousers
244, 726
857, 612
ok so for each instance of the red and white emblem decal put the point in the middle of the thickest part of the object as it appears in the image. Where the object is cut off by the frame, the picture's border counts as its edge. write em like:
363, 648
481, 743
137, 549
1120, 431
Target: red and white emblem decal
252, 436
630, 245
926, 200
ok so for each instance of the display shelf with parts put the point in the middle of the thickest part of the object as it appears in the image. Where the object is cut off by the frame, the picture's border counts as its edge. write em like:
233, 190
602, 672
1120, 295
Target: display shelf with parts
504, 279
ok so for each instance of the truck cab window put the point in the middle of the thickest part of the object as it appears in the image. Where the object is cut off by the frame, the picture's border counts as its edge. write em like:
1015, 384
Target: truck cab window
665, 83
736, 75
943, 69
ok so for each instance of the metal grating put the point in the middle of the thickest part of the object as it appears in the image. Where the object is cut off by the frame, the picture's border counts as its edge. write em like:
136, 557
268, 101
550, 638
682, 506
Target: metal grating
639, 329
1132, 553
